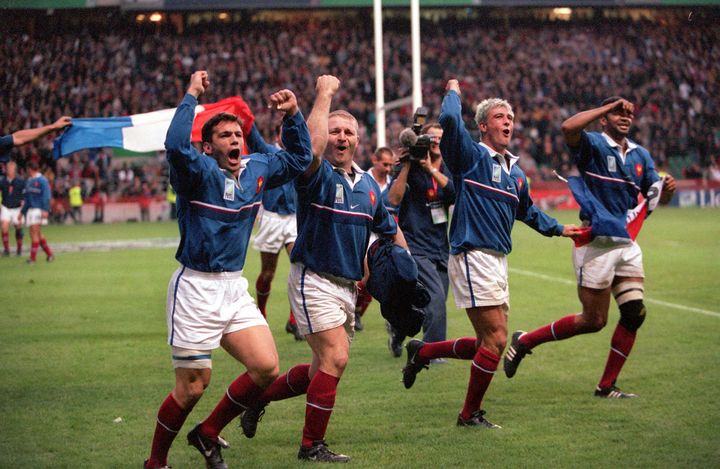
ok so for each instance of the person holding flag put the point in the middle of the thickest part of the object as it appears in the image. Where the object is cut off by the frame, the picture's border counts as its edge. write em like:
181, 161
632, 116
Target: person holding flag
614, 171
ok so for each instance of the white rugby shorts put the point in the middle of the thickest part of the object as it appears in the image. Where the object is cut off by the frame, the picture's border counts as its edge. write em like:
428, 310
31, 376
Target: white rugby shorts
275, 231
596, 267
34, 217
321, 302
479, 278
204, 306
10, 215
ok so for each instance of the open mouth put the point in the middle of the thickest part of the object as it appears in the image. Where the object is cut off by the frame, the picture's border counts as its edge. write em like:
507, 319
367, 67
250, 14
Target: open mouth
341, 147
506, 132
234, 155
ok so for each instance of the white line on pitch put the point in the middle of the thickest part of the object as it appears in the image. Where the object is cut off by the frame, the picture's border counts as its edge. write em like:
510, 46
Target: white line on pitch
649, 300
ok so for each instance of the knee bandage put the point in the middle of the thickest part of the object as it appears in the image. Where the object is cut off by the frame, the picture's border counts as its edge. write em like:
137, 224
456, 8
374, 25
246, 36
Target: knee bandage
629, 297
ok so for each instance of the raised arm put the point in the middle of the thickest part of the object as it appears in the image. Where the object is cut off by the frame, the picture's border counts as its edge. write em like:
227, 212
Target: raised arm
456, 144
573, 126
398, 186
21, 137
325, 87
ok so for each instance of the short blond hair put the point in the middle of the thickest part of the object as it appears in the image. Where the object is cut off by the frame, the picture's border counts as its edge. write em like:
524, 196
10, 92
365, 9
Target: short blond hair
483, 109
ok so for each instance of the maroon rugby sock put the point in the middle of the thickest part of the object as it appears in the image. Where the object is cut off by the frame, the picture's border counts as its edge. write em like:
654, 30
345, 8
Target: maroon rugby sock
620, 346
262, 291
482, 371
463, 348
318, 409
170, 420
33, 251
558, 330
293, 383
6, 241
45, 247
241, 393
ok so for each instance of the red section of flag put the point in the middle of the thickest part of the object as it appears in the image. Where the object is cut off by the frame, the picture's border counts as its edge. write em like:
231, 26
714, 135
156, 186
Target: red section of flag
234, 105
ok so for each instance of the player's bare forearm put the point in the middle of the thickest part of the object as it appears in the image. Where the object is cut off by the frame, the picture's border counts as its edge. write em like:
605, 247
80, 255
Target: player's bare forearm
325, 87
396, 194
21, 137
573, 126
399, 239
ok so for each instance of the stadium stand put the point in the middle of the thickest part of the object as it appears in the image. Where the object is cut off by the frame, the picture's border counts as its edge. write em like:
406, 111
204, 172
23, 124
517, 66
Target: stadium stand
106, 63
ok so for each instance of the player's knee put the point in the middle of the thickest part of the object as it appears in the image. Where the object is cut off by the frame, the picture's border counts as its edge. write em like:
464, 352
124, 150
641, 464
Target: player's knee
629, 297
263, 376
632, 314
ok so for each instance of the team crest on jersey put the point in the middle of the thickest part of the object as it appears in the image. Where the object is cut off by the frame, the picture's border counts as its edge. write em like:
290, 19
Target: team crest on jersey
612, 163
638, 169
372, 199
520, 184
497, 174
339, 194
229, 193
260, 183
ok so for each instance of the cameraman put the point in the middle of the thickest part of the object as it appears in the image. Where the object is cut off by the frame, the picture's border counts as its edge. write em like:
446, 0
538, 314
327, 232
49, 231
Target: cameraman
423, 193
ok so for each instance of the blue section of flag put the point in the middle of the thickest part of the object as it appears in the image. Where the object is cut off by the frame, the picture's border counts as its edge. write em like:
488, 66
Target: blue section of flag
91, 133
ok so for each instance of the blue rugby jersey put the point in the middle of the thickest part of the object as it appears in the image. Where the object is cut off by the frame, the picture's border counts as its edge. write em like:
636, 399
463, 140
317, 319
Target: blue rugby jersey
13, 192
216, 212
424, 237
6, 144
489, 198
37, 194
335, 220
280, 200
614, 182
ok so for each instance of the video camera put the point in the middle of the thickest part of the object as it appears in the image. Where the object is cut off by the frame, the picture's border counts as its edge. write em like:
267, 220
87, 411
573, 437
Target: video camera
413, 139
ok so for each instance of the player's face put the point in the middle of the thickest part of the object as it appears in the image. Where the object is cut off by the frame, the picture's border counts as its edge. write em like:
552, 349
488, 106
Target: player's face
617, 122
11, 170
497, 131
382, 164
342, 141
226, 146
436, 135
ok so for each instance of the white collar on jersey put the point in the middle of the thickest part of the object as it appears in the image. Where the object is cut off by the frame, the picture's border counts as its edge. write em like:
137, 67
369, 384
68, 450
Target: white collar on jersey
357, 173
508, 158
630, 145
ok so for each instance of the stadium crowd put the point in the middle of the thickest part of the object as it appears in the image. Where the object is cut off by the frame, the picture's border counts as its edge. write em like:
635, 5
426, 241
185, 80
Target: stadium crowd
549, 70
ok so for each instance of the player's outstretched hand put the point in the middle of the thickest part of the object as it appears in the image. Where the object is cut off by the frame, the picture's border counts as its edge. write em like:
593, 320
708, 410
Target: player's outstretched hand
453, 85
199, 83
285, 101
61, 123
572, 231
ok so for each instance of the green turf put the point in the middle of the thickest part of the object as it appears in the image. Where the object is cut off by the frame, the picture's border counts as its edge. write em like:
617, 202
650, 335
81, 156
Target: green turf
83, 342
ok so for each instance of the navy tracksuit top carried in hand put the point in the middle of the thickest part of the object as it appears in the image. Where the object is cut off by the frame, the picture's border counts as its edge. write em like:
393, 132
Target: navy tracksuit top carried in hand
216, 212
489, 197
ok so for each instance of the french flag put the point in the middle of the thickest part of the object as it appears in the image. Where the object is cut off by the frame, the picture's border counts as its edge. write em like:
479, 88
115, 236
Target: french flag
604, 226
141, 132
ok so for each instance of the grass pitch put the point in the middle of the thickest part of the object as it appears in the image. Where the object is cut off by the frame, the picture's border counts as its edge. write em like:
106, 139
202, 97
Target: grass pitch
83, 342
